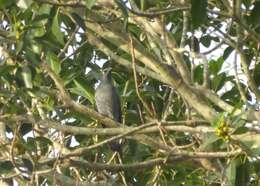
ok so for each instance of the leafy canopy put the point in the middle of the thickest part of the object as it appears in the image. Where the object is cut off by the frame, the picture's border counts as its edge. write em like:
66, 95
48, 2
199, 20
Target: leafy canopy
187, 72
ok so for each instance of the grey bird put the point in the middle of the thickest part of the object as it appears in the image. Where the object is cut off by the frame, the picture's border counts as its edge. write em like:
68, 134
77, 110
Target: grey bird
108, 102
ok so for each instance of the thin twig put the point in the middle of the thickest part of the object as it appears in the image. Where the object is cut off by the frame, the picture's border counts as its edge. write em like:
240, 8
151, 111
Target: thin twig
69, 4
205, 72
243, 61
69, 41
185, 26
174, 158
214, 48
155, 13
240, 89
166, 110
135, 78
13, 144
83, 150
74, 52
123, 167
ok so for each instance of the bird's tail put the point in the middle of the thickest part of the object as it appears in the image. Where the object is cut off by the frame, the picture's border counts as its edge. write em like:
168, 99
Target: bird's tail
116, 146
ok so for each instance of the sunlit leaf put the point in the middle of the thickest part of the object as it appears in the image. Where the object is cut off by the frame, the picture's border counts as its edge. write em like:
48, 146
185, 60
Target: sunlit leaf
83, 90
231, 173
24, 4
90, 3
55, 28
27, 77
54, 62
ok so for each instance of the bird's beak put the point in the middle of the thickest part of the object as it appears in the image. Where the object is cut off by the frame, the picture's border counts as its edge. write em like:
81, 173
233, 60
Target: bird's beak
106, 70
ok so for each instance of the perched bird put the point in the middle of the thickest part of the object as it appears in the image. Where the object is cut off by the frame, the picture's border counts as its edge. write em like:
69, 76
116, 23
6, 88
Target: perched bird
108, 102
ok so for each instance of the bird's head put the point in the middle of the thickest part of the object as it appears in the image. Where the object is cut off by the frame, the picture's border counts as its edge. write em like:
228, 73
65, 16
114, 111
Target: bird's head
106, 74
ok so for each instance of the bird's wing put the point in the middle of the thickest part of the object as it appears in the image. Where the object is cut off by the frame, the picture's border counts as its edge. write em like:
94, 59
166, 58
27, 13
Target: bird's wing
116, 106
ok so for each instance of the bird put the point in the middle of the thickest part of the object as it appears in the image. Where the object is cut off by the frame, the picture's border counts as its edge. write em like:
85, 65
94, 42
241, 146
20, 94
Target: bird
108, 102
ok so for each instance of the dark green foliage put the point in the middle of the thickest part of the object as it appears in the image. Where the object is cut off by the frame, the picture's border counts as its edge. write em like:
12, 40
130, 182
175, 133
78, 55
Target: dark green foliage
34, 33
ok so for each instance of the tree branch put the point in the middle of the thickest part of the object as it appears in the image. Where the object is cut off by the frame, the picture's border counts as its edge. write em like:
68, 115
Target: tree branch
154, 13
65, 98
166, 72
124, 167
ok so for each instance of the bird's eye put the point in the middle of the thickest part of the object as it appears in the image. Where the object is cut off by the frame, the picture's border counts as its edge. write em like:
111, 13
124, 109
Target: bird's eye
106, 70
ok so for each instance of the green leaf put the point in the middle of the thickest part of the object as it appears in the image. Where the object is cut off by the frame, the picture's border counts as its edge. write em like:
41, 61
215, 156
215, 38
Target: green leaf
196, 45
220, 119
247, 3
231, 96
122, 6
218, 81
198, 12
27, 77
48, 104
131, 117
24, 4
206, 40
19, 47
248, 147
49, 41
198, 74
68, 76
32, 57
28, 164
44, 144
90, 3
25, 128
231, 173
44, 9
255, 152
237, 121
209, 140
6, 69
227, 52
83, 90
215, 65
54, 62
242, 176
6, 167
55, 28
255, 14
125, 25
256, 166
142, 5
30, 145
38, 29
257, 74
79, 20
6, 3
241, 130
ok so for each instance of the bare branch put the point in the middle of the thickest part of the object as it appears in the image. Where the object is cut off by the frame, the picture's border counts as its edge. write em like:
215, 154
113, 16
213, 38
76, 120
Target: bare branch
135, 78
155, 13
69, 41
123, 167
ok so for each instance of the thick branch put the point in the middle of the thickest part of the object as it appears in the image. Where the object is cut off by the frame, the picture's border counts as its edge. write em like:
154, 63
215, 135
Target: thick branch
166, 72
93, 40
168, 126
124, 167
65, 98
